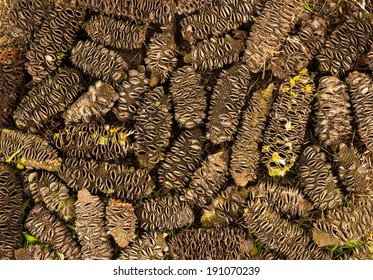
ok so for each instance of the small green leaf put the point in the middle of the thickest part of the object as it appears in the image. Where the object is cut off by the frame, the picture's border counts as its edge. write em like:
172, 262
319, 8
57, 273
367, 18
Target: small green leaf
30, 239
60, 256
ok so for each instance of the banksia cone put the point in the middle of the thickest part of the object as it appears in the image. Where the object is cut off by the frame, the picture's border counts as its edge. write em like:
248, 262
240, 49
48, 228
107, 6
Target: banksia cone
207, 180
183, 158
121, 222
151, 246
161, 57
27, 150
342, 225
92, 106
226, 104
216, 19
130, 93
11, 201
152, 128
55, 37
215, 53
35, 252
226, 208
317, 179
284, 136
191, 6
361, 91
188, 97
47, 228
99, 62
245, 154
279, 234
120, 34
298, 50
344, 46
48, 99
165, 214
90, 227
25, 17
284, 200
353, 170
90, 141
212, 244
118, 180
269, 31
11, 81
333, 114
48, 188
158, 11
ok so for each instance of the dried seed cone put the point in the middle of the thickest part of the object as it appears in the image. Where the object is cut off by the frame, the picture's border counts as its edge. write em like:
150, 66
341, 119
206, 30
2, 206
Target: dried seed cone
298, 50
245, 154
207, 180
27, 150
269, 32
165, 214
90, 227
48, 188
215, 53
121, 222
188, 97
215, 19
284, 136
226, 103
11, 81
211, 244
110, 179
161, 57
226, 208
191, 6
56, 36
158, 11
102, 143
279, 234
361, 91
92, 106
152, 128
353, 170
99, 62
285, 200
35, 252
181, 161
344, 46
333, 114
342, 225
48, 99
11, 201
130, 93
120, 34
25, 17
317, 179
47, 228
151, 246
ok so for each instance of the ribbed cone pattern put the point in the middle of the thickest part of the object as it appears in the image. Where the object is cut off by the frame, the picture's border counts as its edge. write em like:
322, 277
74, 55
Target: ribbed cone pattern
11, 200
245, 156
284, 135
47, 228
226, 103
153, 124
27, 150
